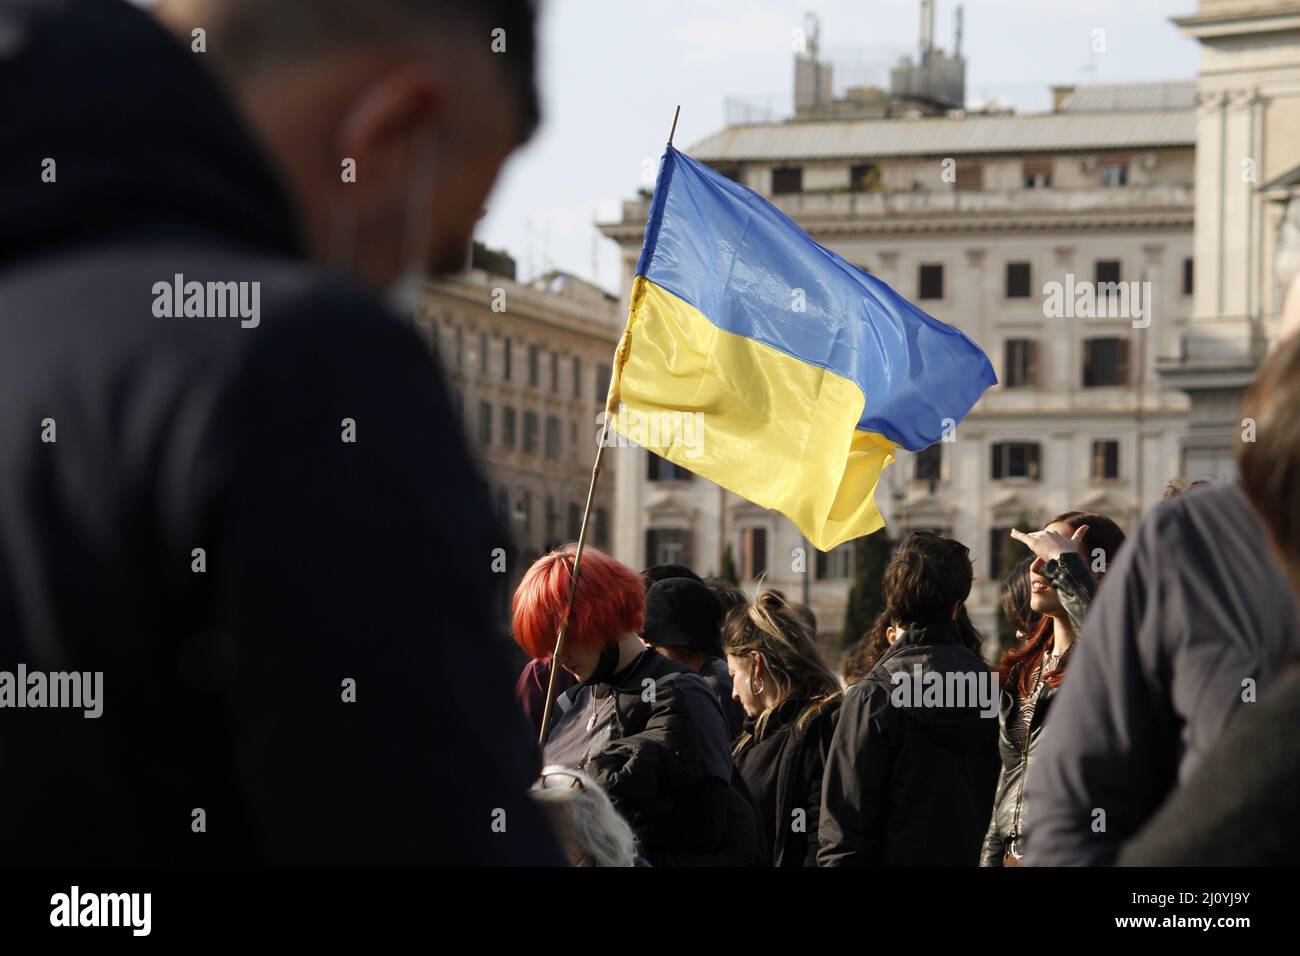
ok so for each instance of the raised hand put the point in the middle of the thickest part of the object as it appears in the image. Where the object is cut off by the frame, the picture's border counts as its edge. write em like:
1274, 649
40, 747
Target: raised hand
1050, 545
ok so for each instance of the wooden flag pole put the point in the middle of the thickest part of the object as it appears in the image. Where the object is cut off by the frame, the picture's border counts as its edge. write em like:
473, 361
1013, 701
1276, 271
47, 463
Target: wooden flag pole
582, 531
573, 583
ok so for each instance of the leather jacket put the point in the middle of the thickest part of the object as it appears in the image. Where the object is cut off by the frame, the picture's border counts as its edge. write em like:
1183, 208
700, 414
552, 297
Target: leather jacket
1075, 587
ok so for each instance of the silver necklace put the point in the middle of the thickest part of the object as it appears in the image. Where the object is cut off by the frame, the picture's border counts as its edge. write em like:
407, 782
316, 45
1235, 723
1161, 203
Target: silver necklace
591, 721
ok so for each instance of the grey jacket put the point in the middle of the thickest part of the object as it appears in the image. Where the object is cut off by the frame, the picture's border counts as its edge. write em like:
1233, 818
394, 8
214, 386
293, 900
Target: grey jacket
1195, 617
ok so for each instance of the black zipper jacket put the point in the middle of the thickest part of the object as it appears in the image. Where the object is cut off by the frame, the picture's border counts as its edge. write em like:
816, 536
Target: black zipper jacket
909, 782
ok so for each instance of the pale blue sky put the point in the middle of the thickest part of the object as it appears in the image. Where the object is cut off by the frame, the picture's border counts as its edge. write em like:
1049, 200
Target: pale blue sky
612, 71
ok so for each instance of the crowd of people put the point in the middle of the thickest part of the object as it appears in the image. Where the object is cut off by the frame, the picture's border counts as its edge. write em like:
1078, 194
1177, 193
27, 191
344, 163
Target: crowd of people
258, 533
695, 726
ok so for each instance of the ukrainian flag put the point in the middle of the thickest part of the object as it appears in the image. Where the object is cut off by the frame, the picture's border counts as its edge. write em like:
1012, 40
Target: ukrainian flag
808, 371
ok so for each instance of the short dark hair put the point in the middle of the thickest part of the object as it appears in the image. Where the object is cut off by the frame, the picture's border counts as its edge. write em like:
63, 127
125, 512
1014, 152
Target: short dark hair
926, 575
254, 29
730, 596
1270, 465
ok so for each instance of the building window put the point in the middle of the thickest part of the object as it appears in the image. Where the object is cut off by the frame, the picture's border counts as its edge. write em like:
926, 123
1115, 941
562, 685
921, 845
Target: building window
970, 177
483, 352
552, 437
661, 469
1106, 272
575, 522
1037, 174
508, 426
1017, 280
524, 511
930, 281
753, 553
1187, 276
509, 358
602, 527
530, 433
1105, 362
534, 365
555, 372
667, 546
1105, 459
485, 423
573, 438
1112, 174
1000, 541
1019, 363
787, 179
552, 524
602, 384
1015, 459
503, 508
836, 564
929, 462
864, 178
577, 377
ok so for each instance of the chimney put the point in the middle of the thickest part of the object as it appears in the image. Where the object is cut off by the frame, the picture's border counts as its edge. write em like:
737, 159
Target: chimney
927, 28
1060, 94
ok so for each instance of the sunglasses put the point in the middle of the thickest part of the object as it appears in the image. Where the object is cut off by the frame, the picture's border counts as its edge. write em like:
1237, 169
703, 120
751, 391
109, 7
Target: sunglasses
574, 780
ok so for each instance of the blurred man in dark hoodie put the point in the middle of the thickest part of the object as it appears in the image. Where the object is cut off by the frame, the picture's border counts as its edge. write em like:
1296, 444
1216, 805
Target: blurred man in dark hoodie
231, 480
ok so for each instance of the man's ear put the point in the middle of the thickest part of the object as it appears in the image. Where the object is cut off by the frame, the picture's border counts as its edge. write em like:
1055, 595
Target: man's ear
387, 118
891, 634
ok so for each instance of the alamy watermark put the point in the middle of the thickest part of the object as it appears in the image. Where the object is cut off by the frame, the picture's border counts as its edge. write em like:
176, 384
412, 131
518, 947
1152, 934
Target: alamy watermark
77, 909
673, 429
957, 690
1099, 300
208, 300
76, 690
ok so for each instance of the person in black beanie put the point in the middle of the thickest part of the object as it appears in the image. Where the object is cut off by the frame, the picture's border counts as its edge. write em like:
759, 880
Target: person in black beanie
683, 621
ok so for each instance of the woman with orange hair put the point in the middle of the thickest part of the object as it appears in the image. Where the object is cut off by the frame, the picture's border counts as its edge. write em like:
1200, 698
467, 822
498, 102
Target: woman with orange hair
651, 735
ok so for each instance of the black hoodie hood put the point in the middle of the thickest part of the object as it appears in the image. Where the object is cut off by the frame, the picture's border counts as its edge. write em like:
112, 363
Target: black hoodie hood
143, 138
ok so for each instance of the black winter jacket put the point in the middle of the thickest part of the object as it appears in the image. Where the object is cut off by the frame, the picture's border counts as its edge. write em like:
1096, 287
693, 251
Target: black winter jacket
784, 772
910, 775
653, 764
1075, 586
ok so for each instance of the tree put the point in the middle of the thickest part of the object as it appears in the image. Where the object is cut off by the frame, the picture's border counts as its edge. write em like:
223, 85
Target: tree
866, 596
728, 572
495, 262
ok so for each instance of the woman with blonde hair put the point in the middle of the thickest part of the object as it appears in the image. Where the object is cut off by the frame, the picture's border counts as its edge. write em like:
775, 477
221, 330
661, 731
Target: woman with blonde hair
790, 698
